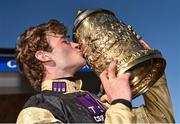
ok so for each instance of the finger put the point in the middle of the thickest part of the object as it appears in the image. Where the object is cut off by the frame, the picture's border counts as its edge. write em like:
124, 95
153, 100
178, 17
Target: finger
127, 75
104, 98
103, 77
112, 69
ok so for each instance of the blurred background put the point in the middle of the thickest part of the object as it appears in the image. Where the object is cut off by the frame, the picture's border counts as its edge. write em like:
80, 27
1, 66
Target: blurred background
158, 22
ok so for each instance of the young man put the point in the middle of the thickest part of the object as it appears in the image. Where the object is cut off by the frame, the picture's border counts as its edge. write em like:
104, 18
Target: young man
50, 61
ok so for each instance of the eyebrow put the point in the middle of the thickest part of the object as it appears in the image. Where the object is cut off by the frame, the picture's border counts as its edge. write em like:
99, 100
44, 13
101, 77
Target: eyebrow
55, 35
59, 36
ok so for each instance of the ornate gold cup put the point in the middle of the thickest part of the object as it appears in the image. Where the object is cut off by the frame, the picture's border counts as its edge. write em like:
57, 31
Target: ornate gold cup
102, 38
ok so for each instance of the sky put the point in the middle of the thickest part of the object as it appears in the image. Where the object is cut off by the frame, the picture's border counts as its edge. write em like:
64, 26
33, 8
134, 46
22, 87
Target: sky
158, 22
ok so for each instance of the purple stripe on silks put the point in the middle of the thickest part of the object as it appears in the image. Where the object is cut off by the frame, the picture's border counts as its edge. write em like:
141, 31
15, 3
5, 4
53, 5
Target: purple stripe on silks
59, 87
96, 110
97, 102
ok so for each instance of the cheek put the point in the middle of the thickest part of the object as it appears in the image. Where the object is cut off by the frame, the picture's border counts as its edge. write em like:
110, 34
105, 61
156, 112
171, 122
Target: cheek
63, 52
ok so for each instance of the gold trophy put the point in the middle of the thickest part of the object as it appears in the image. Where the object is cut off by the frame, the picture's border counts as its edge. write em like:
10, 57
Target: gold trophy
103, 38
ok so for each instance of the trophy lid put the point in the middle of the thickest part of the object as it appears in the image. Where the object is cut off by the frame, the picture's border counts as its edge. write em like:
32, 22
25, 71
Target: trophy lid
82, 14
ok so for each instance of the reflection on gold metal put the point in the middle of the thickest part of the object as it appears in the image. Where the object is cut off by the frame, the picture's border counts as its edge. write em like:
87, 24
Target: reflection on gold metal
103, 37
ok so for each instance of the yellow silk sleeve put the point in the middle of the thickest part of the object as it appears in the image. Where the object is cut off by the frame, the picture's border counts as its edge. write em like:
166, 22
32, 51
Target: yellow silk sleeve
119, 113
34, 115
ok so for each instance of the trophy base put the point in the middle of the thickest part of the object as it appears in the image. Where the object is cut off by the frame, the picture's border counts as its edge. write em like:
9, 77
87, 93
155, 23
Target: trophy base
145, 74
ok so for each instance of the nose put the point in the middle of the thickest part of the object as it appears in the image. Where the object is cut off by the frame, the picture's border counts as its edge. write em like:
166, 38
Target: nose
74, 45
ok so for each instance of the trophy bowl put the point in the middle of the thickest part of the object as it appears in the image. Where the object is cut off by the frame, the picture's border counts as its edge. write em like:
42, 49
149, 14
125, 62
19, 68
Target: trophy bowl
103, 38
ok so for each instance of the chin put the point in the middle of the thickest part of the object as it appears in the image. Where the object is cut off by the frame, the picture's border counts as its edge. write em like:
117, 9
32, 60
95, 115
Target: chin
80, 62
83, 63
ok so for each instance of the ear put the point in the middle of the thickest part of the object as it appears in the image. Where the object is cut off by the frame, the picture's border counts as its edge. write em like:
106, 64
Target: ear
42, 56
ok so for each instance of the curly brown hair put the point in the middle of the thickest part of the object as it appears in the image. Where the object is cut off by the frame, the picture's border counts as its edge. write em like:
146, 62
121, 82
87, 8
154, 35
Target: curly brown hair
31, 41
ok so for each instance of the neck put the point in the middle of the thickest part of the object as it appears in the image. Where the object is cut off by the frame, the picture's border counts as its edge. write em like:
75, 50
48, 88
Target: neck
58, 74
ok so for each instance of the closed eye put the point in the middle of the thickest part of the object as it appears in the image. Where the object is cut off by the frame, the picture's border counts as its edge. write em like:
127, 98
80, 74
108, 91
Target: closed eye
65, 41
